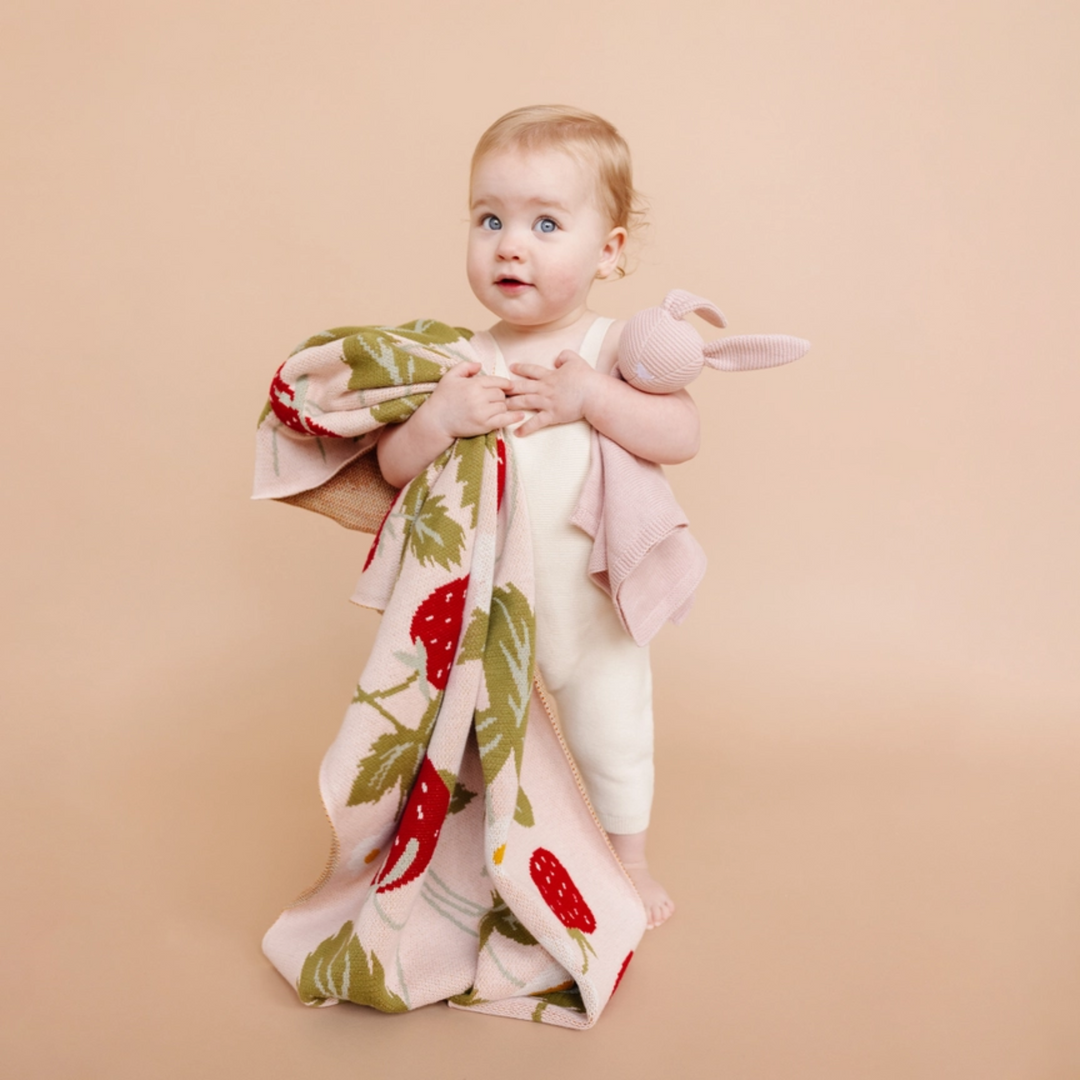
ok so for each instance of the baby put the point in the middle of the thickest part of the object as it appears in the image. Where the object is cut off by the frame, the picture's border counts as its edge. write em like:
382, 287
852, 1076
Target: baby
551, 206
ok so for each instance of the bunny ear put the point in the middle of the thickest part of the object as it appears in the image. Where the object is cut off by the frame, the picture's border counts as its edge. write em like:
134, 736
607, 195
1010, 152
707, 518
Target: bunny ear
679, 303
747, 352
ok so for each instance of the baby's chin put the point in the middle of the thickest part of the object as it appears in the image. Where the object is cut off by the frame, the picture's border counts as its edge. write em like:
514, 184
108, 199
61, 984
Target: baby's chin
519, 309
513, 314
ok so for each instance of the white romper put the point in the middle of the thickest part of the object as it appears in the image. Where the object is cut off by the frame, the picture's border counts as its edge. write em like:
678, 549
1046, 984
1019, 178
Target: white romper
598, 675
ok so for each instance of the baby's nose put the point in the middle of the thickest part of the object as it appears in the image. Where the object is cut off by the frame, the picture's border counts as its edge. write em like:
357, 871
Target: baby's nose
510, 244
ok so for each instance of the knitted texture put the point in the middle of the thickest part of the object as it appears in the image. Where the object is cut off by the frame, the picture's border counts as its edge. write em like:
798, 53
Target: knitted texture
467, 864
357, 497
660, 353
643, 554
317, 431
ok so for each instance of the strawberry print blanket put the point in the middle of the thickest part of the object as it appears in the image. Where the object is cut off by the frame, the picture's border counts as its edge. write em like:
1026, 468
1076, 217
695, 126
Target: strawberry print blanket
466, 862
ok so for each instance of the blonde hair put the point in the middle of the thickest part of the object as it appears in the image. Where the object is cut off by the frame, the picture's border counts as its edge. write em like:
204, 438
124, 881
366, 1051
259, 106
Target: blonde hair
562, 127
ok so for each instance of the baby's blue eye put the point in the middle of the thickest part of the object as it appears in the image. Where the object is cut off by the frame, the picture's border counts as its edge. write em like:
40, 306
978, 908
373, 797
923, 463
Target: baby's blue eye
546, 224
490, 221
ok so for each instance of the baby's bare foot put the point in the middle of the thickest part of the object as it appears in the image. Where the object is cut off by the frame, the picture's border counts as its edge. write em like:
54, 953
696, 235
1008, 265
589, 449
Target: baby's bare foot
659, 907
630, 847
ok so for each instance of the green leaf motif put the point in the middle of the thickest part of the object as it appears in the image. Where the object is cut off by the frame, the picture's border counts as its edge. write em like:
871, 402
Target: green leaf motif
523, 813
470, 997
565, 999
471, 457
472, 644
433, 535
266, 411
398, 410
500, 919
339, 970
460, 798
431, 332
395, 756
379, 357
508, 671
584, 944
416, 492
460, 795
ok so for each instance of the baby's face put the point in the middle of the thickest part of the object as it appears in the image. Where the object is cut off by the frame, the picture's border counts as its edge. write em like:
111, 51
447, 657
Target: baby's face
537, 237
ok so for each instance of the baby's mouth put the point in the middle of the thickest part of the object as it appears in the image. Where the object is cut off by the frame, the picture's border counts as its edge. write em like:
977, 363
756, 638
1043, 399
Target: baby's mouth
511, 283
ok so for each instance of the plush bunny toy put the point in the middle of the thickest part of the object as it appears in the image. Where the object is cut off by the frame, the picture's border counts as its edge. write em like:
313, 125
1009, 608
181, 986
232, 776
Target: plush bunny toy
660, 353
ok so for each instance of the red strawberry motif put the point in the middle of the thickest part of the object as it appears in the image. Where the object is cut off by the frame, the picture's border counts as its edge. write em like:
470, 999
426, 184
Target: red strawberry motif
500, 472
559, 892
622, 971
418, 830
437, 623
562, 896
283, 402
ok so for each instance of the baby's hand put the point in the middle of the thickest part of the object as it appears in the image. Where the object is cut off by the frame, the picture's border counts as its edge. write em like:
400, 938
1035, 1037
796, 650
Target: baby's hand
466, 403
559, 395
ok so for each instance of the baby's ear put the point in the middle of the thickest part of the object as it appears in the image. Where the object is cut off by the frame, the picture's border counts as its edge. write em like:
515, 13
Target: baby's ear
679, 303
748, 352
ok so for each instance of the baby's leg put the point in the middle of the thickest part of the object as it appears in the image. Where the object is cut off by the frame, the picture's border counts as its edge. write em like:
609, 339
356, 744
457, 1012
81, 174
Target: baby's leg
630, 847
605, 706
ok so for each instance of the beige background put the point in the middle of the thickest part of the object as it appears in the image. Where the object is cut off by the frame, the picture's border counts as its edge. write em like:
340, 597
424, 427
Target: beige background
868, 751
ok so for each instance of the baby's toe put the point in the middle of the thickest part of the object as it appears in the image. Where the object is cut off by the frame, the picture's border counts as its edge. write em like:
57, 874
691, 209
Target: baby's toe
660, 913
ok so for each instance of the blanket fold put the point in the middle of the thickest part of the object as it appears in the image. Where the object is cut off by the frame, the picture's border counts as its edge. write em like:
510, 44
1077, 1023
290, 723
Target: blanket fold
643, 555
467, 863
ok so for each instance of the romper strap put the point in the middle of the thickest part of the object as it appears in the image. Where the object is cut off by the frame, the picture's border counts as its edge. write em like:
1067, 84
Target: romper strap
594, 338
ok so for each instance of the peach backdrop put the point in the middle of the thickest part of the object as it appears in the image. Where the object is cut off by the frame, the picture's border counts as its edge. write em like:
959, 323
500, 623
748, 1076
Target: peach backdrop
868, 744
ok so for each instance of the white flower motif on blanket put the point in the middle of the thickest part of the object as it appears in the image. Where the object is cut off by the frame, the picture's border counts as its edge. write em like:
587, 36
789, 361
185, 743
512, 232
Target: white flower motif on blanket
439, 897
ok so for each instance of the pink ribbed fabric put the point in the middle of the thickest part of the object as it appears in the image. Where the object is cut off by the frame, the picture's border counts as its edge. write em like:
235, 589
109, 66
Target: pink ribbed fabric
643, 554
748, 352
660, 353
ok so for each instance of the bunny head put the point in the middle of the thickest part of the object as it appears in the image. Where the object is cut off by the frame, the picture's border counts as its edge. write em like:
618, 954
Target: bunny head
659, 352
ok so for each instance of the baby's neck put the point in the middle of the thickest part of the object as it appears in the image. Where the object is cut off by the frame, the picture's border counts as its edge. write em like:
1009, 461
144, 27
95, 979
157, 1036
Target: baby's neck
532, 344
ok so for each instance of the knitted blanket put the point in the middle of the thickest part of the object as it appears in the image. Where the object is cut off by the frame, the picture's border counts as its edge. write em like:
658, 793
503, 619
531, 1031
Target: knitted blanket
466, 864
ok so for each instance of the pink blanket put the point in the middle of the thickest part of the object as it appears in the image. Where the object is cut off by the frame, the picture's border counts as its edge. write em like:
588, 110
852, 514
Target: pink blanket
467, 864
643, 555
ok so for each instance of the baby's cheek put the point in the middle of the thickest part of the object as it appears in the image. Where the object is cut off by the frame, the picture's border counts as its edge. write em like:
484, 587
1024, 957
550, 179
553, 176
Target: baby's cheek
566, 284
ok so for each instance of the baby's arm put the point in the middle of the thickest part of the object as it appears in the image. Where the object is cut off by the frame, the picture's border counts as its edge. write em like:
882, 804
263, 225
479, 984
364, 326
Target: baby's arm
465, 403
657, 427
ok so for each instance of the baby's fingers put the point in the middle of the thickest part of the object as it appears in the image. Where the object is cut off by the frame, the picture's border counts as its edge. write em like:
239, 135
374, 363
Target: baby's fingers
464, 370
530, 371
501, 420
495, 382
534, 423
524, 386
527, 401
